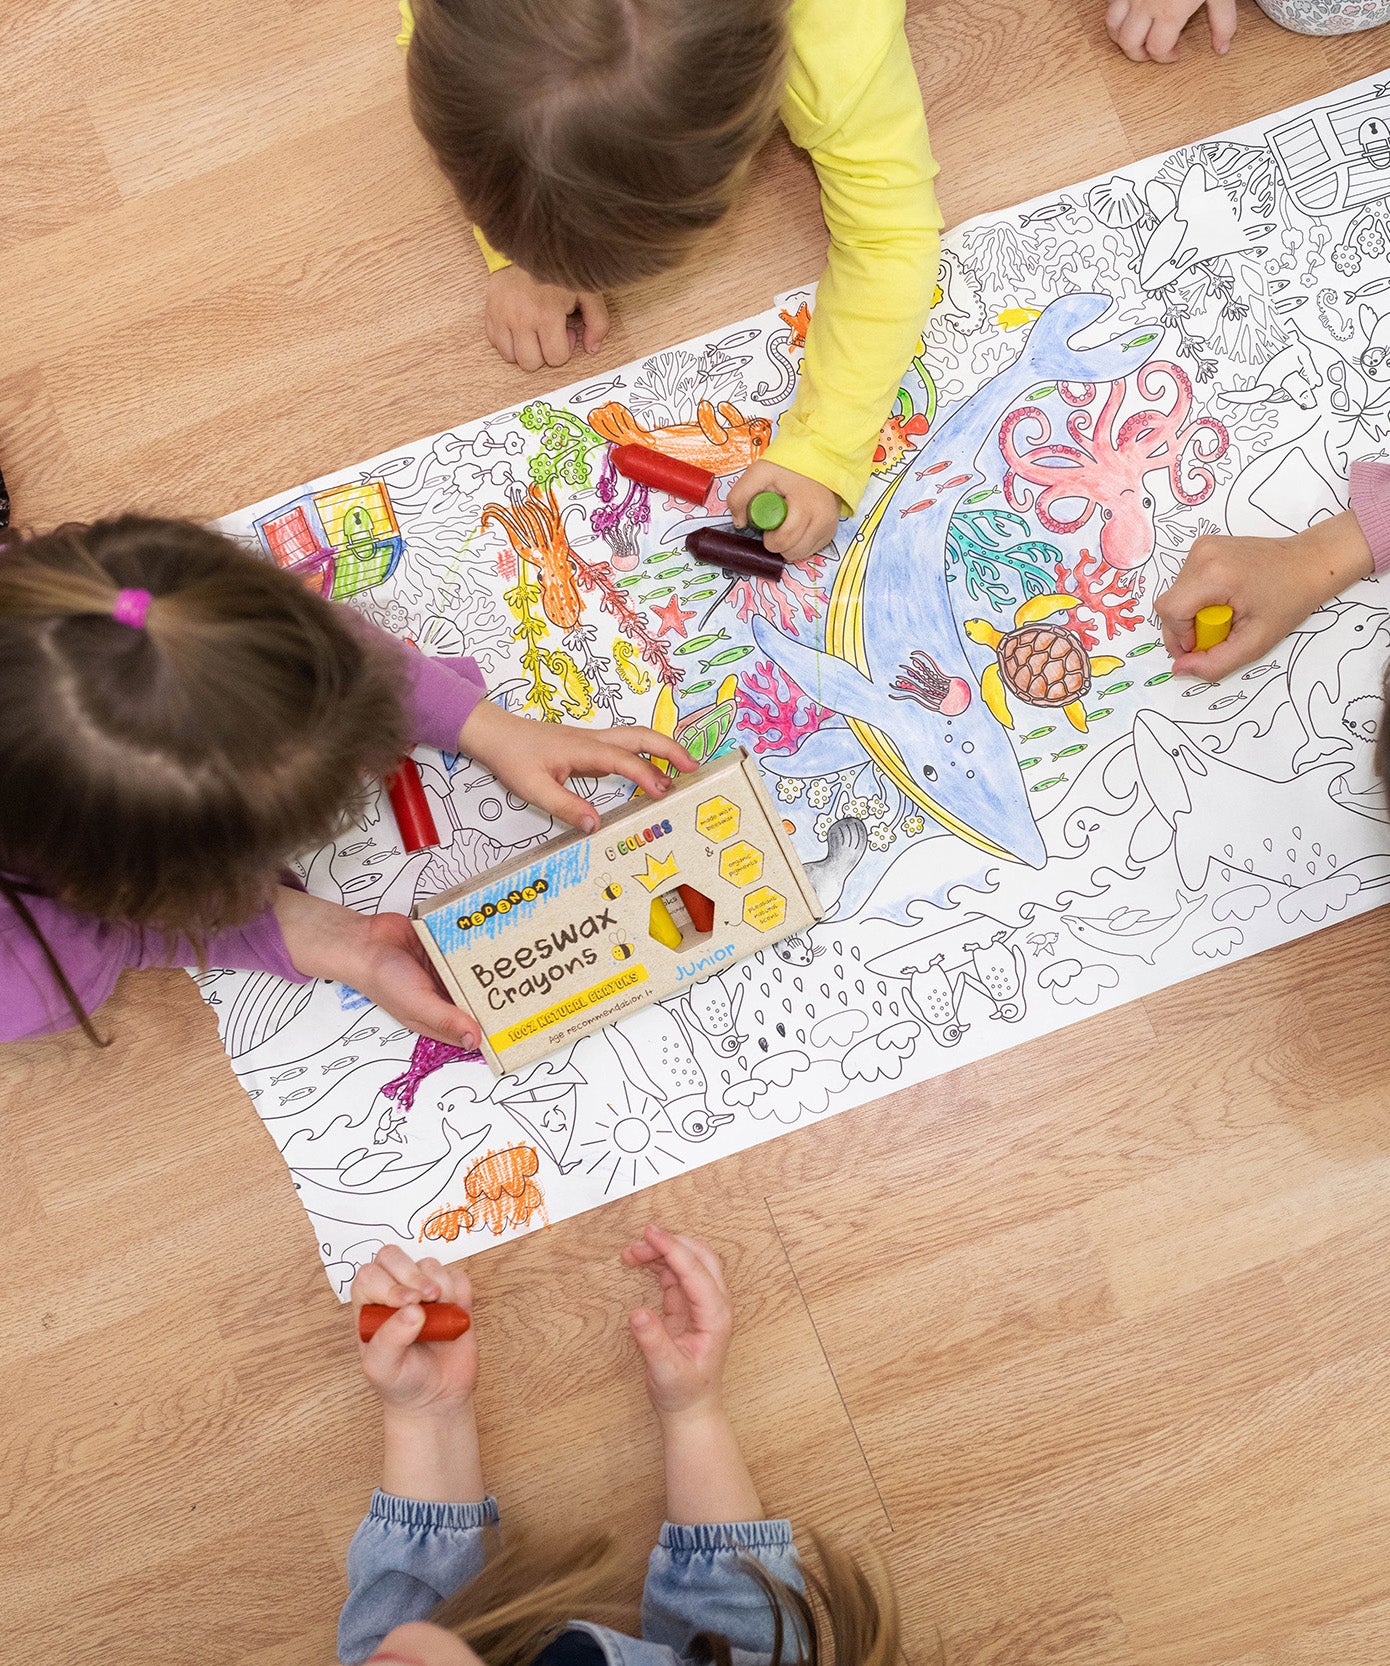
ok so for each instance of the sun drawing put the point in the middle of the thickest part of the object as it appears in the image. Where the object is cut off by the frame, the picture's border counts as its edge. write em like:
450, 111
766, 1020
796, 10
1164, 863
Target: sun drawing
631, 1144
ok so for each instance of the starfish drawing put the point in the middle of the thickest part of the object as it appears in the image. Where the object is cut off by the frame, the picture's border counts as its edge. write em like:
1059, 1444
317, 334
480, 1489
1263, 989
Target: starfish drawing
672, 616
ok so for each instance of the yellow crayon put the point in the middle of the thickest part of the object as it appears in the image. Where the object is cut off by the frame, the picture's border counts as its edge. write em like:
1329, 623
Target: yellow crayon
1213, 625
662, 926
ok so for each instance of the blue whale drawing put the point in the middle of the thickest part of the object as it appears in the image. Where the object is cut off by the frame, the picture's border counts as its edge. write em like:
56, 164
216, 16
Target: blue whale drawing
891, 600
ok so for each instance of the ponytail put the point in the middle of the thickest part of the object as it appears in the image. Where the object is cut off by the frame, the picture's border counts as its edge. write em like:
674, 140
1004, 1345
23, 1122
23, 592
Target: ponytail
178, 719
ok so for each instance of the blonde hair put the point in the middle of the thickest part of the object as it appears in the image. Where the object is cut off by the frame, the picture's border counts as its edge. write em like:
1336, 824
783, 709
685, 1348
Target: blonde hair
527, 1594
593, 140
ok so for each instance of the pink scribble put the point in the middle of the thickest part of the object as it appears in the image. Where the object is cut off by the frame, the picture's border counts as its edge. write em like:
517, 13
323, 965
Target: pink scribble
428, 1057
621, 524
778, 600
1105, 595
1104, 467
775, 711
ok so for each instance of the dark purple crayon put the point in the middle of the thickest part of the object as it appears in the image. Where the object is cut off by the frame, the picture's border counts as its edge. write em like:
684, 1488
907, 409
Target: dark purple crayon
721, 547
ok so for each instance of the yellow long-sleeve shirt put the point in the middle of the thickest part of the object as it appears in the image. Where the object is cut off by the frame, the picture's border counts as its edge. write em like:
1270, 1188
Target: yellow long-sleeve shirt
853, 103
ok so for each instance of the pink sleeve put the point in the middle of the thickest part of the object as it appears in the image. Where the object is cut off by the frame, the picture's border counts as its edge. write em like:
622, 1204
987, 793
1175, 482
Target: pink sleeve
257, 946
93, 954
440, 693
1370, 503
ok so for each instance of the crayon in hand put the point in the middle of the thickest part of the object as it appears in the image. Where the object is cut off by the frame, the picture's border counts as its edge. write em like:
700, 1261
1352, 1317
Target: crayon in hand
767, 511
1211, 625
444, 1321
720, 546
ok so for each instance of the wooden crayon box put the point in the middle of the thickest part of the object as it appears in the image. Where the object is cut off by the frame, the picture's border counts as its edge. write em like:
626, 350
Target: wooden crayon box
593, 926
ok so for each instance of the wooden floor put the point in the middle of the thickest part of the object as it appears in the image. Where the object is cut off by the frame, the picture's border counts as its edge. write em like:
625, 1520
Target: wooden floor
1093, 1338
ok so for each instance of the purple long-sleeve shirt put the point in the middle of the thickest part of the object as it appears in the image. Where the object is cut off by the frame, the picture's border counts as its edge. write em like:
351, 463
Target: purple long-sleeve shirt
93, 953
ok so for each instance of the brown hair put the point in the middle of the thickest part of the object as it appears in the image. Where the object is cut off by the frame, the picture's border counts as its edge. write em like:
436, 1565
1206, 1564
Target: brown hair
160, 774
526, 1596
593, 140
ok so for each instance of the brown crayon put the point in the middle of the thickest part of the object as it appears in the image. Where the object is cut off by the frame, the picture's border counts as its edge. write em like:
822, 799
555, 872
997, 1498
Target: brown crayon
721, 547
699, 907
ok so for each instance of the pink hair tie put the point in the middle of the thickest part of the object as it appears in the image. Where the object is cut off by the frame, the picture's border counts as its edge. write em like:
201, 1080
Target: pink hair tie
131, 608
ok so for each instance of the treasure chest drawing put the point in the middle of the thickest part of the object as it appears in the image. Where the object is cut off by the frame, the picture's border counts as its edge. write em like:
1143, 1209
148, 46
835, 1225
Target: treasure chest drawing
339, 542
1337, 157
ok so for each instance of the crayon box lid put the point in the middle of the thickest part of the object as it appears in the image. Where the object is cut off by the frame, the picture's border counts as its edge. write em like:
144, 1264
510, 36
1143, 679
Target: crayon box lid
560, 941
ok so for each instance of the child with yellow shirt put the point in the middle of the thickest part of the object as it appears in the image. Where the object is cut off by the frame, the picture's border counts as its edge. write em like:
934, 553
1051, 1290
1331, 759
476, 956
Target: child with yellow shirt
593, 141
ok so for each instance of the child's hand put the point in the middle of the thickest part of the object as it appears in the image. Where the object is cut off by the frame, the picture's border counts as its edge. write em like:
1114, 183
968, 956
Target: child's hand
535, 759
531, 323
685, 1346
379, 955
410, 1376
813, 510
1273, 584
1148, 30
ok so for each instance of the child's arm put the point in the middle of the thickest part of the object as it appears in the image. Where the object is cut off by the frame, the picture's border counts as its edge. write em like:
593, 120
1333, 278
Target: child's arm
695, 1581
1273, 584
447, 706
423, 1535
379, 955
535, 759
685, 1346
531, 323
876, 170
1148, 30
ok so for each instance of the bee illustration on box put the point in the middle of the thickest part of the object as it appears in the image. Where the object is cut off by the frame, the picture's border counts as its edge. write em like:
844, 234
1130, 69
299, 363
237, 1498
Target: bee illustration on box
340, 542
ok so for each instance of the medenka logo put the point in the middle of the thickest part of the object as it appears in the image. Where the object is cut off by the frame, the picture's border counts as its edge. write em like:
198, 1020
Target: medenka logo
503, 905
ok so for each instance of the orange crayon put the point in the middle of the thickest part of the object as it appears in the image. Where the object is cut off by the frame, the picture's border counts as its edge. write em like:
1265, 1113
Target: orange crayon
699, 907
444, 1321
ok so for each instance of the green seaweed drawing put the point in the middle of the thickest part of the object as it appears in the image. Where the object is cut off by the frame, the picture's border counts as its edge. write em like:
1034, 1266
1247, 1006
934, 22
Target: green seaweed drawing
565, 444
985, 541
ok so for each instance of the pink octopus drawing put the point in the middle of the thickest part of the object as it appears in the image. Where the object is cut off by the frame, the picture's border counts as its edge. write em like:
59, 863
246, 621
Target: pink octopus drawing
1104, 469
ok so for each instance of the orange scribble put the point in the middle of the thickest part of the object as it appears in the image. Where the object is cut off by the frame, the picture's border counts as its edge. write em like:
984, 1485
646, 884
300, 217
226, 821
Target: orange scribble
721, 440
536, 533
501, 1193
797, 323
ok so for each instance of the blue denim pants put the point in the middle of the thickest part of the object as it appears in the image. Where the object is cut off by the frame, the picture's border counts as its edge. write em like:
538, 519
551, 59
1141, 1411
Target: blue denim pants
408, 1555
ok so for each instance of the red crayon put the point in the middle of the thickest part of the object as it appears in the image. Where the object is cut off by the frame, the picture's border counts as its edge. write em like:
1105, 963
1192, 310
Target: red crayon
444, 1321
721, 547
406, 791
667, 474
699, 907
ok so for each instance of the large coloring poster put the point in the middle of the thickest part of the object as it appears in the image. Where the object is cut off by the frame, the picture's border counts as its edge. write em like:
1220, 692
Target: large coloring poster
1013, 813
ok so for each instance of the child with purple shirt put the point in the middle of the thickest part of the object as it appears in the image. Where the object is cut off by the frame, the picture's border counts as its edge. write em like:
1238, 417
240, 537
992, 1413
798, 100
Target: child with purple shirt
177, 720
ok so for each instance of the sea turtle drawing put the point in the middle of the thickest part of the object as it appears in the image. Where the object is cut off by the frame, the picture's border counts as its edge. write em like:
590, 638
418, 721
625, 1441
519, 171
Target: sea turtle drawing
1041, 662
700, 732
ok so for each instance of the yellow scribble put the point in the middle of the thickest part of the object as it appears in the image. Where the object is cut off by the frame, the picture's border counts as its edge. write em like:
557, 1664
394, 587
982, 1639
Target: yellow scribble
627, 667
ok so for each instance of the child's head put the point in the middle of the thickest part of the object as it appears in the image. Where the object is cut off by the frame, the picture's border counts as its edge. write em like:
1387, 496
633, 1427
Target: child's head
525, 1597
592, 140
159, 771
